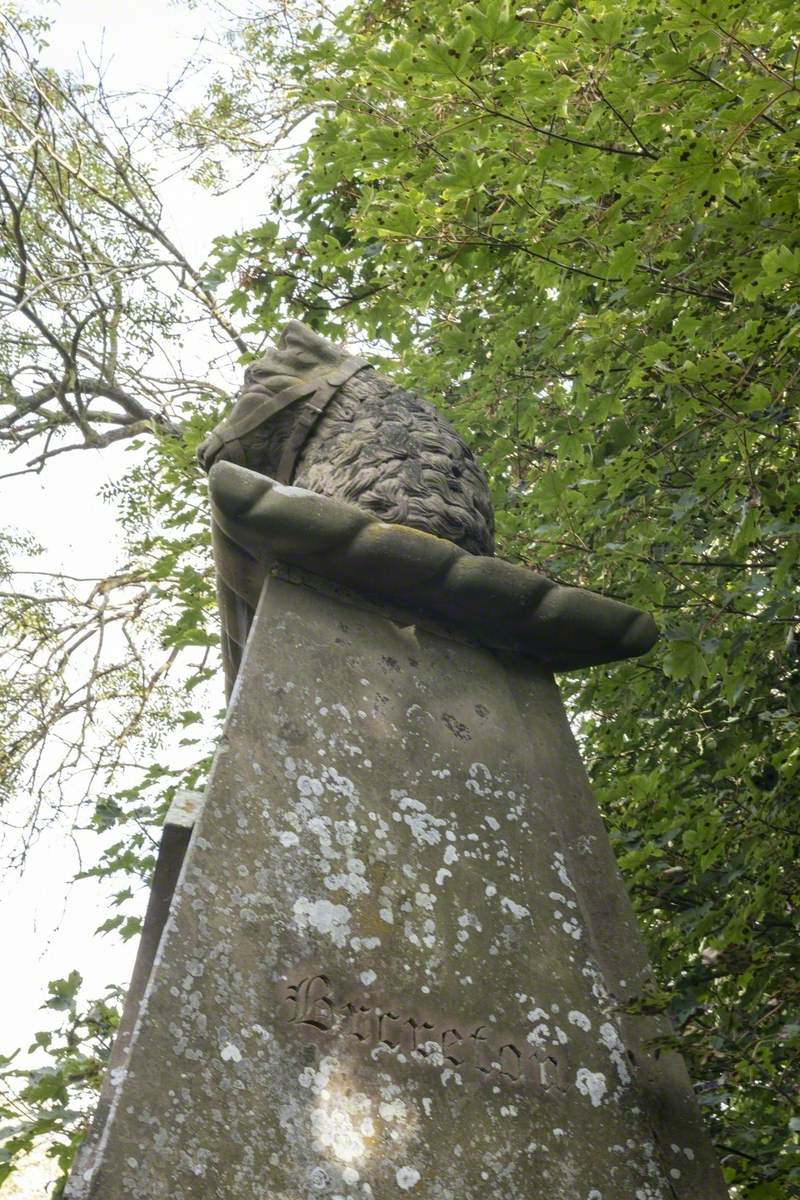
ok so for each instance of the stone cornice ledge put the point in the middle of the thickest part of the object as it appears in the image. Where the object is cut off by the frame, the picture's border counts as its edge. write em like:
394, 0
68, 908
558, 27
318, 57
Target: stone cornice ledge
498, 604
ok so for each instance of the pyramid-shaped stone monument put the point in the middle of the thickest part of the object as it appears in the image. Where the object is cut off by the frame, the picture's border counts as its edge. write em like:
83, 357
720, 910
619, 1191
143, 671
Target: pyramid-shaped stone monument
399, 959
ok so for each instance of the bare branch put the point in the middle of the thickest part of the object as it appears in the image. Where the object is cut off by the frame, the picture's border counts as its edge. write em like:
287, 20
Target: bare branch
94, 290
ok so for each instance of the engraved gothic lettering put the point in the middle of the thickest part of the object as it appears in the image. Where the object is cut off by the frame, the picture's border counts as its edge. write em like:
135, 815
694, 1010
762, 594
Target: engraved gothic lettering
451, 1038
383, 1021
361, 1021
311, 1003
419, 1035
547, 1074
509, 1062
481, 1061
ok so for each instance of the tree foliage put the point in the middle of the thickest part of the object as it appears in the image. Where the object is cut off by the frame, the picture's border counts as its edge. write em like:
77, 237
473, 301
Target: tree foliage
104, 679
98, 304
575, 226
51, 1100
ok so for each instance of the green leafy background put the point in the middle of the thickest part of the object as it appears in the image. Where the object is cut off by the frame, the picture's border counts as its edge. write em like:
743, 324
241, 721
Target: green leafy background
577, 226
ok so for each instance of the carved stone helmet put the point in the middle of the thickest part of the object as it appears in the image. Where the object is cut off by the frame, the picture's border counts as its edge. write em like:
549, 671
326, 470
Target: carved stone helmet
314, 415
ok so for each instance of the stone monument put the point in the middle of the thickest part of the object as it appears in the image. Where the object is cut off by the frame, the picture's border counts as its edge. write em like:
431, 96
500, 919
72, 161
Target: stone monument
399, 959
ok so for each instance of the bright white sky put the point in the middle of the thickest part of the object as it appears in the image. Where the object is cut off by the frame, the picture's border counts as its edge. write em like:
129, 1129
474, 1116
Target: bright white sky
47, 925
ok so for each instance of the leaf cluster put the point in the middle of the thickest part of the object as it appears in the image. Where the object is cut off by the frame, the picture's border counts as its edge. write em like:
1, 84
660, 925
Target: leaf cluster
51, 1102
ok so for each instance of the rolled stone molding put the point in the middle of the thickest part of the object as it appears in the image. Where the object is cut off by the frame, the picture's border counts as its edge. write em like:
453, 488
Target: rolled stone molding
496, 603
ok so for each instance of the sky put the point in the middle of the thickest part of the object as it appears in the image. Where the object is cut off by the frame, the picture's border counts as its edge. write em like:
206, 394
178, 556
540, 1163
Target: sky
47, 923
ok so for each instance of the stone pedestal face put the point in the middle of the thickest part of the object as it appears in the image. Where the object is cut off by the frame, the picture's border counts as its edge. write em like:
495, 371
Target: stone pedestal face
397, 952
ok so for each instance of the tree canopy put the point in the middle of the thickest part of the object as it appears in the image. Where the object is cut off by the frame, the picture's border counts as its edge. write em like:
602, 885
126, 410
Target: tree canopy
574, 226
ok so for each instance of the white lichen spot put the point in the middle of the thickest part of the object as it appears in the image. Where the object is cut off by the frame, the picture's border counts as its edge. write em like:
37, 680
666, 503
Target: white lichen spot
580, 1019
345, 832
469, 920
616, 1051
560, 868
407, 1177
599, 989
423, 825
539, 1035
516, 910
307, 786
334, 1131
368, 977
591, 1084
480, 778
370, 943
327, 918
433, 1053
287, 838
392, 1110
352, 882
230, 1053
